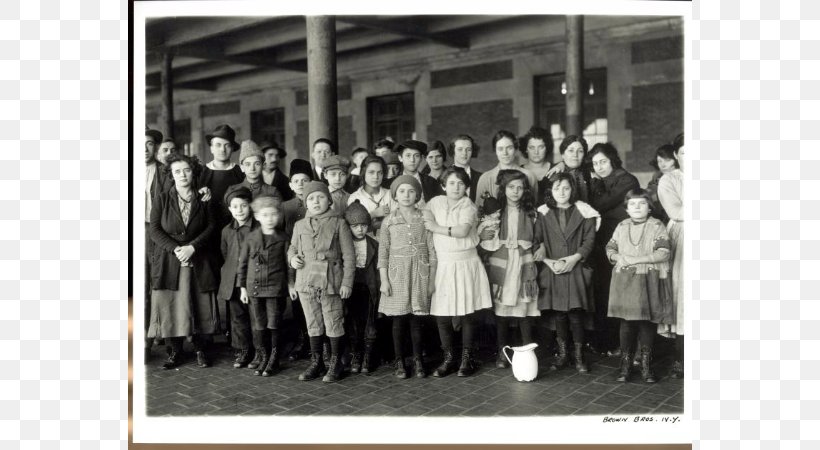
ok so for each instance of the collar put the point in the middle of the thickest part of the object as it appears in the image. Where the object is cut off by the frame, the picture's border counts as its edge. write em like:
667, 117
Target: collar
210, 165
248, 223
466, 169
329, 213
374, 198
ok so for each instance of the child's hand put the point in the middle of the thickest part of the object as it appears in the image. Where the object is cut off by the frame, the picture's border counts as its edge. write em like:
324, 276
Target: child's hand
386, 209
487, 234
297, 262
627, 261
206, 193
345, 292
386, 289
431, 286
294, 295
569, 263
551, 264
243, 295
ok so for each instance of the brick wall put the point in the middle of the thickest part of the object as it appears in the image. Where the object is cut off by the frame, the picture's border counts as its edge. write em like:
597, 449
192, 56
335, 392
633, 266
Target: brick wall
499, 70
655, 118
480, 120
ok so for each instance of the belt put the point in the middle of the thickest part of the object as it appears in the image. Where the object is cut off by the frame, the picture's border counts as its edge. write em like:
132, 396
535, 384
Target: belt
322, 256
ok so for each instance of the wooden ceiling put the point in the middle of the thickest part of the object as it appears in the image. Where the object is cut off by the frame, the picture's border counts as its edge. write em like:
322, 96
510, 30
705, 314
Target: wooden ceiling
247, 44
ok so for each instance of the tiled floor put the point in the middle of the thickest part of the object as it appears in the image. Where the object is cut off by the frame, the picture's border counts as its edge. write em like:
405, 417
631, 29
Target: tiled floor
223, 390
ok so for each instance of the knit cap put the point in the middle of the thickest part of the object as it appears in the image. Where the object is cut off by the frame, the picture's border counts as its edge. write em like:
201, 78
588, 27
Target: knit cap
314, 186
356, 214
249, 148
405, 179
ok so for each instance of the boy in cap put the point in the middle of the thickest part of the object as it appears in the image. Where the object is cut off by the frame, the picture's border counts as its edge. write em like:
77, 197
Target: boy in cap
393, 163
322, 253
301, 173
263, 277
251, 161
238, 198
361, 310
335, 173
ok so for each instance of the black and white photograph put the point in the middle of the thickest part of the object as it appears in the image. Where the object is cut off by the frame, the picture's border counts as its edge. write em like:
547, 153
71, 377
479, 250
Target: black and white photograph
451, 219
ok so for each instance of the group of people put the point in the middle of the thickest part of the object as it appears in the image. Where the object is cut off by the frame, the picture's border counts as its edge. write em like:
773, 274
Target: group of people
344, 242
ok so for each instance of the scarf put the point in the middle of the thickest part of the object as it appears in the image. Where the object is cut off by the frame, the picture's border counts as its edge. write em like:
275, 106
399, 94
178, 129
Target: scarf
511, 265
316, 270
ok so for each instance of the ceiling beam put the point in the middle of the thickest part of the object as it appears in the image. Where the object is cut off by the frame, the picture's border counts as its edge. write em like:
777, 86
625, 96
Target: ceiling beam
190, 30
407, 29
216, 54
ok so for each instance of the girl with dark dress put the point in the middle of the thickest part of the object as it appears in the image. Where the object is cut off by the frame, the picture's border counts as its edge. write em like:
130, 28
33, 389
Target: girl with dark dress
566, 227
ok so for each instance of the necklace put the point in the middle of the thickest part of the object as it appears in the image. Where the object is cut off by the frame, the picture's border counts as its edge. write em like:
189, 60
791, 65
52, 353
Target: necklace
640, 239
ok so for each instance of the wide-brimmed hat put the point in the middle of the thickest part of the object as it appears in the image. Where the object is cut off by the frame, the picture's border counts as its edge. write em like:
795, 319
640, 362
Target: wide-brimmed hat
224, 131
414, 144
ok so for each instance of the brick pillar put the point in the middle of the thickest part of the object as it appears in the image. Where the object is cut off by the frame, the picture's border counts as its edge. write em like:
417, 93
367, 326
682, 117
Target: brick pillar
321, 61
574, 74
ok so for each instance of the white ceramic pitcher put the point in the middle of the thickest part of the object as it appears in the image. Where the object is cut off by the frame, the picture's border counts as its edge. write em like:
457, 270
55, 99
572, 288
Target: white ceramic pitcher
524, 362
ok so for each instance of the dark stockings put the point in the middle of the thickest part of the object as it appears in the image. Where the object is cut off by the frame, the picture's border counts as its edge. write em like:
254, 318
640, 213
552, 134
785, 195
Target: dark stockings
400, 332
570, 321
645, 331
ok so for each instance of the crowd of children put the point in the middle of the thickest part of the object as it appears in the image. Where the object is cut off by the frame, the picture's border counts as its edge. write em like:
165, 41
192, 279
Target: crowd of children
355, 242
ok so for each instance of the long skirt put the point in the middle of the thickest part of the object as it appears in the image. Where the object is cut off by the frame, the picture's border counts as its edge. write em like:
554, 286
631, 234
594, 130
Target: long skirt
183, 312
675, 230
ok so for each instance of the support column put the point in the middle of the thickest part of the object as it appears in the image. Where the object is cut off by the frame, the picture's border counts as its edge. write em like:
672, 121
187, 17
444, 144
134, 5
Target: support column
574, 74
167, 87
321, 62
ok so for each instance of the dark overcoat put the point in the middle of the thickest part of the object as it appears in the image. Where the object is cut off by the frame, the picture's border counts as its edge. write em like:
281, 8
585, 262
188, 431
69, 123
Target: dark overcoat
570, 290
168, 232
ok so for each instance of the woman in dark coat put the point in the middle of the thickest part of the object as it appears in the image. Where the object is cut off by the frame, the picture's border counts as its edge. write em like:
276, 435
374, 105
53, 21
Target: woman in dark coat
184, 274
609, 184
566, 228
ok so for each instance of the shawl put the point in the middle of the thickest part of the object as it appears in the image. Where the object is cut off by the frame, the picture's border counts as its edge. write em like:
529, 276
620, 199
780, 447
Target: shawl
498, 261
587, 212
